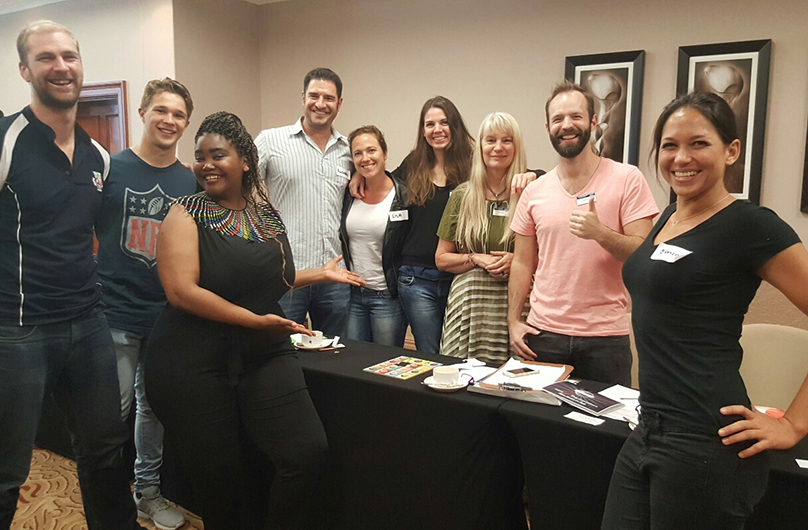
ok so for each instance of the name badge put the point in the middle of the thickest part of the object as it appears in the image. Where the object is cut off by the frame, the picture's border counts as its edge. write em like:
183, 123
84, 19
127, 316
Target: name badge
582, 200
500, 210
669, 253
399, 215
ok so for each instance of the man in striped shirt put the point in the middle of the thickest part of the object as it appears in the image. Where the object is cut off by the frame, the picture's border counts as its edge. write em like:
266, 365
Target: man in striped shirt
306, 167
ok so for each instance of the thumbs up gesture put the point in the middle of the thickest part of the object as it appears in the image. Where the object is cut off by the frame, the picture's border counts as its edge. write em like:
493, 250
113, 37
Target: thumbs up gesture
585, 223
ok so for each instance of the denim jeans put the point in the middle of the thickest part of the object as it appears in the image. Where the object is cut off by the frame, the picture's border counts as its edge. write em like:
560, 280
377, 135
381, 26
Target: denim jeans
326, 304
668, 477
374, 316
604, 359
75, 360
424, 303
130, 349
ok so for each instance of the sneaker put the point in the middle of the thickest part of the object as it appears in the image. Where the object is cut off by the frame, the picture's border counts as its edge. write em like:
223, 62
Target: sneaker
152, 505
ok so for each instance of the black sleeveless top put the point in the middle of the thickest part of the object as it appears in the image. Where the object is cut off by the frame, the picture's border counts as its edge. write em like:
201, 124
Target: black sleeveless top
244, 257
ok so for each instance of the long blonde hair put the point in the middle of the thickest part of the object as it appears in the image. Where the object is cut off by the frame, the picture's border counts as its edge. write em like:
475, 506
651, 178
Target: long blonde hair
472, 219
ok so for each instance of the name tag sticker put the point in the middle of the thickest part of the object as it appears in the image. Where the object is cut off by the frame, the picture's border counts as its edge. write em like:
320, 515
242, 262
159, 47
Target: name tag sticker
669, 253
399, 215
500, 210
582, 200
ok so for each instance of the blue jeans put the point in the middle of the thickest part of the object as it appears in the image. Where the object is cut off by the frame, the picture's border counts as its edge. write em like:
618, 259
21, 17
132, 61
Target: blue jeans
326, 304
75, 360
130, 349
668, 477
424, 303
604, 359
374, 316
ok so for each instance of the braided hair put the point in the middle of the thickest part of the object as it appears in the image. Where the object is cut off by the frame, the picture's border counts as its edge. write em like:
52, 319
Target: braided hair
229, 127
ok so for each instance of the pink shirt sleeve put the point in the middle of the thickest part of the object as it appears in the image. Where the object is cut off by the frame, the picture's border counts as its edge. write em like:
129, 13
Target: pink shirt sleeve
638, 201
522, 222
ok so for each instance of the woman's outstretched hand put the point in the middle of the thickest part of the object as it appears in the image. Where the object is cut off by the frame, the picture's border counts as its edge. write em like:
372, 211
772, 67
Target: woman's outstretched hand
334, 273
282, 325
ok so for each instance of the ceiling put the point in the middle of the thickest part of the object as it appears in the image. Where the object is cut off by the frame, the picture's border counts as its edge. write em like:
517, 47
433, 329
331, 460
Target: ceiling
11, 6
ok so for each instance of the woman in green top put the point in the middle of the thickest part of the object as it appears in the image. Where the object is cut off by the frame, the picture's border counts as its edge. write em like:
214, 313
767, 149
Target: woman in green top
476, 244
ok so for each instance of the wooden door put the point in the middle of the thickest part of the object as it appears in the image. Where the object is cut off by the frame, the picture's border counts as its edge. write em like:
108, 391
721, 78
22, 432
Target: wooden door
102, 113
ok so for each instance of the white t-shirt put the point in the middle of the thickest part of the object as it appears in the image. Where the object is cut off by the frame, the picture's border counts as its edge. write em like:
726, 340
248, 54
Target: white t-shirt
366, 224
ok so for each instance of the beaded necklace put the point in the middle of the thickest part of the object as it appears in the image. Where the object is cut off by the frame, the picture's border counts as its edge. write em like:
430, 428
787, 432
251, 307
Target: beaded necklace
256, 222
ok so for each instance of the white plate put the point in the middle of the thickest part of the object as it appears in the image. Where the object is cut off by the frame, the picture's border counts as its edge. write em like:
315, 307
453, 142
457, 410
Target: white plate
462, 383
325, 344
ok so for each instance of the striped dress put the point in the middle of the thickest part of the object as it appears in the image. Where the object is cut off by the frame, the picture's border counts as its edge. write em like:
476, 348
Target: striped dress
475, 324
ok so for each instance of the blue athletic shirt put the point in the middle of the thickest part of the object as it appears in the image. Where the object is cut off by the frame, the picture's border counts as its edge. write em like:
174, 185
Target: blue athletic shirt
136, 199
48, 207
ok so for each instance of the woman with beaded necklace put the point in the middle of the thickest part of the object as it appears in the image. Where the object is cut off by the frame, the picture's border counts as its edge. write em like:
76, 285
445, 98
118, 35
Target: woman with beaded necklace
221, 372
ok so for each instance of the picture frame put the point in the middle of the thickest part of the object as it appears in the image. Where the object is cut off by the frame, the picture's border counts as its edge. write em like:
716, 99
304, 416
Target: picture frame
616, 81
739, 73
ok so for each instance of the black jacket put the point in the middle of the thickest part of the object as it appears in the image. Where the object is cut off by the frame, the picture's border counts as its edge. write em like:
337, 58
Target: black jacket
394, 235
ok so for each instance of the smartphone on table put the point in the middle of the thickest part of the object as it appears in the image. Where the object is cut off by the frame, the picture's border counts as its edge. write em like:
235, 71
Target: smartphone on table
519, 372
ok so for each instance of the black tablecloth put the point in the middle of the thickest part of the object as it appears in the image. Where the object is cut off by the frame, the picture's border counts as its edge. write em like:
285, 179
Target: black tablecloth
404, 456
568, 465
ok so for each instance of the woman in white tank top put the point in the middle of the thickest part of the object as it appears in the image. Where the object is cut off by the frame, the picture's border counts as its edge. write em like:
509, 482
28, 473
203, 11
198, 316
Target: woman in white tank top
372, 231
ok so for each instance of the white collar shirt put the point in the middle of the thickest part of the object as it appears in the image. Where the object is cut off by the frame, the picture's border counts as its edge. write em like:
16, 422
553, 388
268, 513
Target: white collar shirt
306, 185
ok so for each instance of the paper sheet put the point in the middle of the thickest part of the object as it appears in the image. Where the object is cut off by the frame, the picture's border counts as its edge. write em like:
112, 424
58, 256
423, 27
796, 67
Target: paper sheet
802, 463
474, 368
630, 399
547, 375
584, 418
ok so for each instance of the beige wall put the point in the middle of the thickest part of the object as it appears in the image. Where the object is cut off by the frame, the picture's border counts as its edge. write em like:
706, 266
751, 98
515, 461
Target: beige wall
217, 45
393, 55
130, 40
506, 55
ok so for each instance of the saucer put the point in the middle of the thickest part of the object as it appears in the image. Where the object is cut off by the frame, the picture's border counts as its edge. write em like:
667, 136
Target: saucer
461, 384
325, 344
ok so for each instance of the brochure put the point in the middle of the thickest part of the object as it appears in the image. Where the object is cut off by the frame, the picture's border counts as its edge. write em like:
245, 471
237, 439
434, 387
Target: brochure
591, 402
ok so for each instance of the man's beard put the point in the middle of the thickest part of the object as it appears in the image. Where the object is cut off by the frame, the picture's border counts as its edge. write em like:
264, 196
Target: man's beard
571, 150
52, 102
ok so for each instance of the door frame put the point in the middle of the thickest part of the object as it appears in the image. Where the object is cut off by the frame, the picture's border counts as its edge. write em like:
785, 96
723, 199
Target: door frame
110, 91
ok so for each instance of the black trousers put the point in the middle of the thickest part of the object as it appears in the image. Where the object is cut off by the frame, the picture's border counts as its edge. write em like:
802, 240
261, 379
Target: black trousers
669, 477
216, 417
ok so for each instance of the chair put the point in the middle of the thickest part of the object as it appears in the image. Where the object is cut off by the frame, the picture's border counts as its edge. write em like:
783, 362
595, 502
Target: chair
775, 363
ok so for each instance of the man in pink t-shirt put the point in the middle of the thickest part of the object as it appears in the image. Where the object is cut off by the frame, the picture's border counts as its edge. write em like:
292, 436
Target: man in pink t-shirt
574, 228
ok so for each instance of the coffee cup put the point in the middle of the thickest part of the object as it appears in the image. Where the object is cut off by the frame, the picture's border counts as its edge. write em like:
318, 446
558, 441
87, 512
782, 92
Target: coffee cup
446, 375
312, 341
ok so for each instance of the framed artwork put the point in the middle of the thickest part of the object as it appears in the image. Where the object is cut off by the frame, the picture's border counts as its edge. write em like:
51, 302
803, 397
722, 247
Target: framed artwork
615, 80
739, 73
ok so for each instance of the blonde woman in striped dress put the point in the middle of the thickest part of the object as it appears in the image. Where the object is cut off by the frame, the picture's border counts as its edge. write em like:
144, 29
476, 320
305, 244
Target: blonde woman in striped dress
476, 244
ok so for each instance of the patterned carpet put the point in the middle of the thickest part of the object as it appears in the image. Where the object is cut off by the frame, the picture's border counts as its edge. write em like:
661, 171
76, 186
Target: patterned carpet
50, 499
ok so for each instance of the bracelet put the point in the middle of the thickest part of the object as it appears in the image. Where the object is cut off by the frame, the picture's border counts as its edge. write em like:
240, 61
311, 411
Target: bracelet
470, 259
